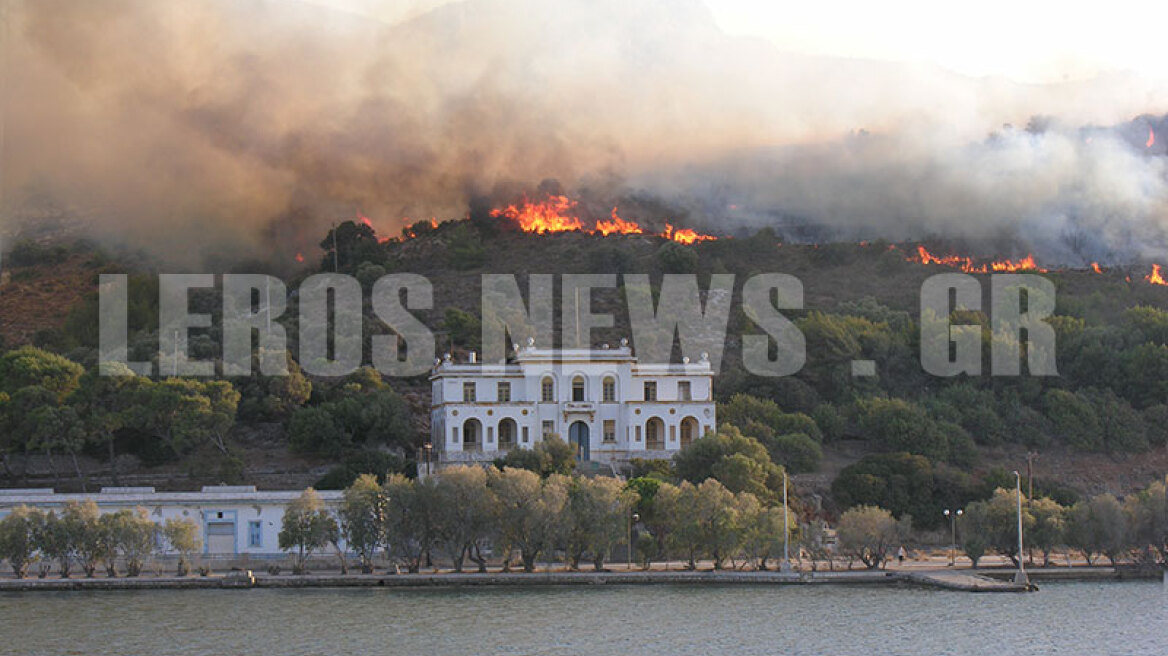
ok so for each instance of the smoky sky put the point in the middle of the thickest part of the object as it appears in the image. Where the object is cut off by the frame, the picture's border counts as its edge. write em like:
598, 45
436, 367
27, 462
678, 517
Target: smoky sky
207, 125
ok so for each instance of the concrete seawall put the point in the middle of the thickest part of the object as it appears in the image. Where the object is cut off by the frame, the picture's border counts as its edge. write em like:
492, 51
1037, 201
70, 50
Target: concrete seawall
973, 581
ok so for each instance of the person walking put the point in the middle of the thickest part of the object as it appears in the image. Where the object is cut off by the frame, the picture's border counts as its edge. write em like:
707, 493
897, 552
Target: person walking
900, 555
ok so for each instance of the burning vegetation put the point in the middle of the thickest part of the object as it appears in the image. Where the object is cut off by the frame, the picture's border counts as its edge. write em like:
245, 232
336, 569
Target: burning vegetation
970, 264
558, 213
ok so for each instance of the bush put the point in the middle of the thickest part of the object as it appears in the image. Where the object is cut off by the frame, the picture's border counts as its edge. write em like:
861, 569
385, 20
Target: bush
797, 452
677, 258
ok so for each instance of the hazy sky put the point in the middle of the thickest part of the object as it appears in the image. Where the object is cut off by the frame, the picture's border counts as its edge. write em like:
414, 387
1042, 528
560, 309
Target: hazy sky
1030, 41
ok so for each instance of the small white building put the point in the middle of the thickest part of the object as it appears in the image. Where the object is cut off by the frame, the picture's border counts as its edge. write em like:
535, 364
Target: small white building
234, 520
603, 401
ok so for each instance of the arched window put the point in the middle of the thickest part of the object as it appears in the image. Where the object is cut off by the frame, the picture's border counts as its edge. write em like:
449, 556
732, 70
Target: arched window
689, 429
578, 388
547, 390
654, 434
506, 434
472, 435
608, 393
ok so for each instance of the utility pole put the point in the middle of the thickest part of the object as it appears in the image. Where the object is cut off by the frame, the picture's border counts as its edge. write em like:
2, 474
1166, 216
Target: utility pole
786, 564
1020, 577
1030, 475
336, 253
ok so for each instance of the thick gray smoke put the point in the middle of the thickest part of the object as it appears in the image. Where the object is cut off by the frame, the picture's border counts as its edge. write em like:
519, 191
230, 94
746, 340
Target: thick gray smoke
193, 125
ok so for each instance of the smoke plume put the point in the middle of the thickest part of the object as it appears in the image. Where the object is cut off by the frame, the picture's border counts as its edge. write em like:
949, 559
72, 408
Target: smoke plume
198, 126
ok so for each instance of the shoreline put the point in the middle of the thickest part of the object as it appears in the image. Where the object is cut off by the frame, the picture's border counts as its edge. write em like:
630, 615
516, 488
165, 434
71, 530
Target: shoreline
982, 580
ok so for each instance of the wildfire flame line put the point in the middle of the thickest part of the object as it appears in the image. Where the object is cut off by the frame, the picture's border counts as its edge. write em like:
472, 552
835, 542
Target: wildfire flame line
558, 214
969, 265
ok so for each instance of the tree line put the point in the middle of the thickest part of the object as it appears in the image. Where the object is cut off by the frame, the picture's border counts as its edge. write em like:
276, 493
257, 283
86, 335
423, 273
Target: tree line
80, 535
515, 516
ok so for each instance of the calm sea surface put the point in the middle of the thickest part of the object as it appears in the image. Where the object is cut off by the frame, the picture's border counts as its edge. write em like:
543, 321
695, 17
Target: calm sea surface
1064, 618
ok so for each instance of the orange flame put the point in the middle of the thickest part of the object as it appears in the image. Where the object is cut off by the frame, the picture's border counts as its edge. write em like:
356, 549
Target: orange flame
557, 214
969, 265
1096, 268
550, 215
684, 235
1154, 277
300, 257
1151, 138
618, 226
364, 219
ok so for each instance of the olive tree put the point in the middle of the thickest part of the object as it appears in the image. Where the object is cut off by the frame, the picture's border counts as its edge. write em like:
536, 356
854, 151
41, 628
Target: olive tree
362, 516
18, 539
531, 513
465, 514
135, 535
307, 526
996, 521
80, 521
1098, 526
869, 534
598, 510
183, 536
409, 515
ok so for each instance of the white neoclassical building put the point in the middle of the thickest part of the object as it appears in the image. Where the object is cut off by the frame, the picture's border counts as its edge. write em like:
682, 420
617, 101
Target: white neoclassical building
602, 400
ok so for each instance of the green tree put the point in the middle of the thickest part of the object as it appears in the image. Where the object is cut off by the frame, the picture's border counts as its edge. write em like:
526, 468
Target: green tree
1098, 526
362, 516
105, 407
703, 459
465, 514
183, 413
530, 512
29, 366
80, 521
409, 519
1049, 526
597, 512
996, 522
183, 537
1148, 512
869, 533
902, 483
898, 425
18, 539
349, 243
307, 526
132, 534
551, 455
464, 328
56, 542
677, 258
797, 452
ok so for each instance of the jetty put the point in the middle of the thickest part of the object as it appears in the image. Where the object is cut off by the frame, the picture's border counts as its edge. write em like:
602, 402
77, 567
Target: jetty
964, 581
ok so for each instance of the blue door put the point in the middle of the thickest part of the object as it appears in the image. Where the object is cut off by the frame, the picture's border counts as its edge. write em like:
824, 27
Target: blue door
578, 435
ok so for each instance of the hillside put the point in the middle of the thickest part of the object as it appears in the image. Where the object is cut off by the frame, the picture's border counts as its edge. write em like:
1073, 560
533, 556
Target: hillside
861, 301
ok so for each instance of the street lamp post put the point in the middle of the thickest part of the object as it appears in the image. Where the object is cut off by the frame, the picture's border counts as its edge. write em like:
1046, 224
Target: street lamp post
428, 448
1020, 578
786, 564
953, 533
633, 518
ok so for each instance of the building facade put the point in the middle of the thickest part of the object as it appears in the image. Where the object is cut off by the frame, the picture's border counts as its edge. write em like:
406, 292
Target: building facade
234, 520
602, 401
